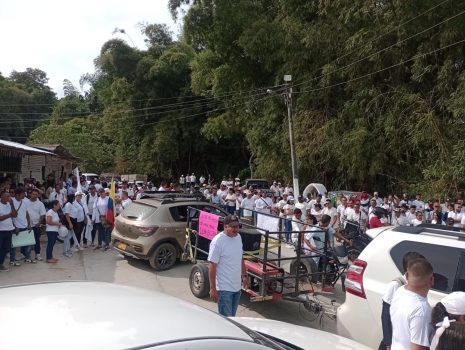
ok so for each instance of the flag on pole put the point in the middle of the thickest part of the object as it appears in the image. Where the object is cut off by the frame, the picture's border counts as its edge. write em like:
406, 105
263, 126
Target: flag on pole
110, 214
76, 173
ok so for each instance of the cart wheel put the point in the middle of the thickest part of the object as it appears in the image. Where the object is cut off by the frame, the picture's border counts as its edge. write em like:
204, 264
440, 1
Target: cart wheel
198, 280
307, 268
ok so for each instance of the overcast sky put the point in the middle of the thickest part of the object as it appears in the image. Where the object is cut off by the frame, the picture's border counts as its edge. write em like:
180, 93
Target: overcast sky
62, 38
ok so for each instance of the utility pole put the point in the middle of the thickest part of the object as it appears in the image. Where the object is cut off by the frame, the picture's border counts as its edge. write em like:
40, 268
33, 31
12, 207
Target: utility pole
288, 100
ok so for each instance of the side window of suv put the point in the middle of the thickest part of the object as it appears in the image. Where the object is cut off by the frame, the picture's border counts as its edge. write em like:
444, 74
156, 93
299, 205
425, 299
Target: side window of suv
179, 213
445, 261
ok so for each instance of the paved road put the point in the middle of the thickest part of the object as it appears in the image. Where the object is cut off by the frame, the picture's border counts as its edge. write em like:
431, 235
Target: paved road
112, 267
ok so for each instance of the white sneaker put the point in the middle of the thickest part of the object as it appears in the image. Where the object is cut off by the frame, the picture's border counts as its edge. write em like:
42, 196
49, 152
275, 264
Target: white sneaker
39, 258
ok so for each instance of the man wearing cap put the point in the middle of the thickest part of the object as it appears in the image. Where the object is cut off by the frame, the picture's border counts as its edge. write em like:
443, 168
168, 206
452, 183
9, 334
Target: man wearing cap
226, 268
264, 203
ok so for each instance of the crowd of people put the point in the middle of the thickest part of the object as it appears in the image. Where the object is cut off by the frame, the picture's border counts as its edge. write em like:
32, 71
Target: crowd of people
62, 210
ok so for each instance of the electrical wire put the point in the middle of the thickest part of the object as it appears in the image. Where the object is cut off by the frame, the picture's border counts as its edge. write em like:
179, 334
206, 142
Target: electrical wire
381, 70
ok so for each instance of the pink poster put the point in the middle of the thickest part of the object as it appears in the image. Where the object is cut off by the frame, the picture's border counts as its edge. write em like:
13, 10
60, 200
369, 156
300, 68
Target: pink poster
208, 225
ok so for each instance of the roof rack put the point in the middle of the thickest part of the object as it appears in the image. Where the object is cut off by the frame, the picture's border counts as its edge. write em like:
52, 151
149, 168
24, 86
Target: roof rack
433, 229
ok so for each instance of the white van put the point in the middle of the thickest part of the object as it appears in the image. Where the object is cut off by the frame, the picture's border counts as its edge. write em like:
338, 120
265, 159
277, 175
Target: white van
89, 177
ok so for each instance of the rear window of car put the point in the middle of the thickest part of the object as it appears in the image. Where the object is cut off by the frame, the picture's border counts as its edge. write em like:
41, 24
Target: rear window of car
445, 261
138, 211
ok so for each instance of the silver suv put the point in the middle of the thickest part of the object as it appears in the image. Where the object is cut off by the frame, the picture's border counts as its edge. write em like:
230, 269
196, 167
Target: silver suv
154, 229
381, 262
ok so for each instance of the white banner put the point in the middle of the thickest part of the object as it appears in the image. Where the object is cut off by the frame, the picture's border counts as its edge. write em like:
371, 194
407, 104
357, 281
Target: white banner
268, 223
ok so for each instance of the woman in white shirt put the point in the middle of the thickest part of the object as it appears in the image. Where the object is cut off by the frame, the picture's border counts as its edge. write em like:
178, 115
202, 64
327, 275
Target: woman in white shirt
52, 227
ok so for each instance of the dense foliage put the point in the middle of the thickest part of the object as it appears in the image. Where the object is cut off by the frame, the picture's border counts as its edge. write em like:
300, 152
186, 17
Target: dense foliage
379, 95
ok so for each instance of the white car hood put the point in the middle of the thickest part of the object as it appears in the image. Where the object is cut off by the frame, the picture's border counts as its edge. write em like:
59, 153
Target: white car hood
304, 337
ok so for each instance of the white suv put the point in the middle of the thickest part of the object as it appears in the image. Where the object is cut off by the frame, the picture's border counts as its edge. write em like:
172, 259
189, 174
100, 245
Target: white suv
380, 262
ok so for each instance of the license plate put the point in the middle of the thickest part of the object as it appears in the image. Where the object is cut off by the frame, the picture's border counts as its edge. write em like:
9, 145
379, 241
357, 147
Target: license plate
121, 246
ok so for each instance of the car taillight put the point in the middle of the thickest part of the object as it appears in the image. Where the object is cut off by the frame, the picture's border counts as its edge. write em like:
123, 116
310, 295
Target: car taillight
147, 231
354, 280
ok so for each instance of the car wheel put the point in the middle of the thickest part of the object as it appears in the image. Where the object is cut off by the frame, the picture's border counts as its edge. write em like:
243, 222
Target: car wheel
163, 257
198, 280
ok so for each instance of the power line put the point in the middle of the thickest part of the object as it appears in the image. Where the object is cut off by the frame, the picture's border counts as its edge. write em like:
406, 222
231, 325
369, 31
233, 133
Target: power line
384, 49
383, 69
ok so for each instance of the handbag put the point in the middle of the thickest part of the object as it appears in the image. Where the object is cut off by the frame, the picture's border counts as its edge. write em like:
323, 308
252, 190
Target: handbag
63, 232
103, 220
23, 239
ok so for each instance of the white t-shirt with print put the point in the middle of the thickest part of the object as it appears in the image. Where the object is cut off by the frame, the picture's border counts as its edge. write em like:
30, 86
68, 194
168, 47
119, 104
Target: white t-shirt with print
411, 318
226, 253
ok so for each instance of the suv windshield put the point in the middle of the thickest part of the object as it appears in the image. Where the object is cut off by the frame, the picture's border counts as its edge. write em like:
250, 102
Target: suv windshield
138, 211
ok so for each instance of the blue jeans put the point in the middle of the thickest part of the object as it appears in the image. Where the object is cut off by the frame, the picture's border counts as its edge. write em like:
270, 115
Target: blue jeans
5, 244
52, 238
228, 302
104, 234
288, 229
37, 233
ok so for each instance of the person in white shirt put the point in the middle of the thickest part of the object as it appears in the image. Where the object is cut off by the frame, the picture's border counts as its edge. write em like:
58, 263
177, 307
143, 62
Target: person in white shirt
193, 179
418, 219
201, 180
378, 199
371, 209
411, 214
53, 224
125, 200
70, 212
418, 202
317, 211
7, 212
81, 219
297, 228
230, 200
275, 189
263, 203
36, 211
124, 187
410, 311
358, 216
456, 215
289, 190
58, 194
90, 200
226, 268
22, 222
399, 218
341, 211
182, 181
303, 207
391, 288
215, 197
332, 213
248, 204
98, 213
288, 214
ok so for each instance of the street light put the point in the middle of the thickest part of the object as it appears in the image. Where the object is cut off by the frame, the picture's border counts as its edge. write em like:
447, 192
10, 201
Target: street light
288, 100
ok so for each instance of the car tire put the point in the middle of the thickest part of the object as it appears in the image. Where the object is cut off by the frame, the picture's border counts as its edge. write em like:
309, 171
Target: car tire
199, 281
163, 257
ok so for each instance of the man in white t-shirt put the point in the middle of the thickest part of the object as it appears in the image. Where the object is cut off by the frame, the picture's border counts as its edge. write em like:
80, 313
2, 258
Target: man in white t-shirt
22, 223
248, 204
303, 207
418, 202
331, 212
36, 210
358, 216
391, 288
226, 268
264, 203
456, 215
410, 311
418, 219
7, 212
